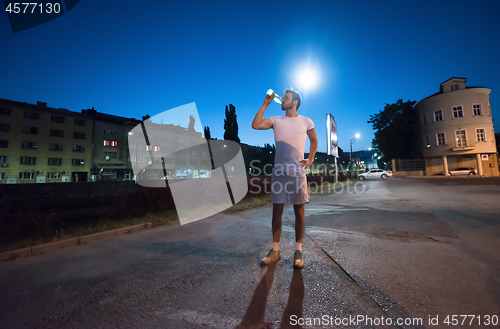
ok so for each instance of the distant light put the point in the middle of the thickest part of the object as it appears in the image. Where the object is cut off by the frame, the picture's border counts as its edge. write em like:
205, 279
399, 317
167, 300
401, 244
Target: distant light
369, 149
130, 133
225, 145
375, 154
378, 158
358, 135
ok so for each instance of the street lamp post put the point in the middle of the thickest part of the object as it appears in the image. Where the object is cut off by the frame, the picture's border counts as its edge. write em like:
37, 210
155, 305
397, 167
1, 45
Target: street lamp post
352, 141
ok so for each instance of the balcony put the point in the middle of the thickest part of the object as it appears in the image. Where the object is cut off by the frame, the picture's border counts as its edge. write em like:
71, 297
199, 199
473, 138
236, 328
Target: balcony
465, 146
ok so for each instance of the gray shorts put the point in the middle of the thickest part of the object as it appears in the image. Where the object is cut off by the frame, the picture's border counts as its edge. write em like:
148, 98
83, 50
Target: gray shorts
289, 188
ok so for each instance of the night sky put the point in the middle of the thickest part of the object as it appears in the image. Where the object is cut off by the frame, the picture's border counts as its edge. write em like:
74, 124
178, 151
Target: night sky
132, 58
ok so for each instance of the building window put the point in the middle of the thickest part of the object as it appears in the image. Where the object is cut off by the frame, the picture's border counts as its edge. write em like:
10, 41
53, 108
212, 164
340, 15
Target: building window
2, 175
4, 127
454, 87
476, 109
492, 135
78, 135
55, 147
77, 162
31, 115
110, 132
427, 141
457, 112
4, 110
56, 133
460, 138
57, 118
55, 161
480, 135
3, 159
26, 175
29, 145
113, 143
30, 130
425, 119
28, 160
79, 148
440, 139
80, 122
438, 115
4, 143
53, 175
111, 155
152, 148
193, 162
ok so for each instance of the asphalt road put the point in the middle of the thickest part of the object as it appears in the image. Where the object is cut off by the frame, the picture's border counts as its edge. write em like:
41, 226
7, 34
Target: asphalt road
413, 249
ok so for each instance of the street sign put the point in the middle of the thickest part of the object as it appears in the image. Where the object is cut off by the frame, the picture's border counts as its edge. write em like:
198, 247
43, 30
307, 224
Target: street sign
484, 157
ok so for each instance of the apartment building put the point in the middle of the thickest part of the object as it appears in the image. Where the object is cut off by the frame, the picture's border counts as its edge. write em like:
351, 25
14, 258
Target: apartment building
41, 144
173, 152
110, 152
456, 129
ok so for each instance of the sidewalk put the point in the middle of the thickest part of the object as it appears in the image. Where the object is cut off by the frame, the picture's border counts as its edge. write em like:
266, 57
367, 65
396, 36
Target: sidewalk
368, 256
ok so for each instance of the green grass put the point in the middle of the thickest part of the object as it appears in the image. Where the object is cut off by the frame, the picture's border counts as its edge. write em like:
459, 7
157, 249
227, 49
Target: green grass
105, 224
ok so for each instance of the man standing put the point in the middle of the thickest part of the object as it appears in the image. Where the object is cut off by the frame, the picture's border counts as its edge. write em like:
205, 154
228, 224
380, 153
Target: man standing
288, 183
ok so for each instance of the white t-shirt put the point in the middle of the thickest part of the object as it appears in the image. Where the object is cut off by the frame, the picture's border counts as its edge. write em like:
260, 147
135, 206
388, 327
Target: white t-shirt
290, 134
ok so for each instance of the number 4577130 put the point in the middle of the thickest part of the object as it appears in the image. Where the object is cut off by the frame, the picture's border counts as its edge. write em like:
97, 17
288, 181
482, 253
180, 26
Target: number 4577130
32, 8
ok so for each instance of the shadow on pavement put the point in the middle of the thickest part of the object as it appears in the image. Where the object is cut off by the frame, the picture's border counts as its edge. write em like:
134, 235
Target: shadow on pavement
295, 302
254, 316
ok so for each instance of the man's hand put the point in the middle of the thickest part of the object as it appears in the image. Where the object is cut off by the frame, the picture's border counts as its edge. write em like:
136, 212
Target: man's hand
306, 162
268, 100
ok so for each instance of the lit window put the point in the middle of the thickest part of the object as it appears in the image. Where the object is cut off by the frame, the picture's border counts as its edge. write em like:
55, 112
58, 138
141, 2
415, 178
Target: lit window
110, 143
461, 138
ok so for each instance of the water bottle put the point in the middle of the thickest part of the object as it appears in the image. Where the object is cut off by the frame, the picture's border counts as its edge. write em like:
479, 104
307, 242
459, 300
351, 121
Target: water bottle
276, 98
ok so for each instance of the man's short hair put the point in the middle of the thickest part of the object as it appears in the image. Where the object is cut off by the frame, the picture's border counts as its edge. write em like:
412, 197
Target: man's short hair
295, 97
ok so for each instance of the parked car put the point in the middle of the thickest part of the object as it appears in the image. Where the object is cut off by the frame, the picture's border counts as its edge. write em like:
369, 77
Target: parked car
375, 173
462, 171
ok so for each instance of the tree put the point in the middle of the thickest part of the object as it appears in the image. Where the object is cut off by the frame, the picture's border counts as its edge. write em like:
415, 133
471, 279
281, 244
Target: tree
396, 131
206, 132
191, 123
230, 125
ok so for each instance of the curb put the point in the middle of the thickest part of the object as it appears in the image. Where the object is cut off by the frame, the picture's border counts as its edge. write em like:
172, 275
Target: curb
51, 246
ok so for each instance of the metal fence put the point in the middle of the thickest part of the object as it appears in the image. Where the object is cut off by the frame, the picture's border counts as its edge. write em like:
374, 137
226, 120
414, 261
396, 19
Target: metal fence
409, 165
